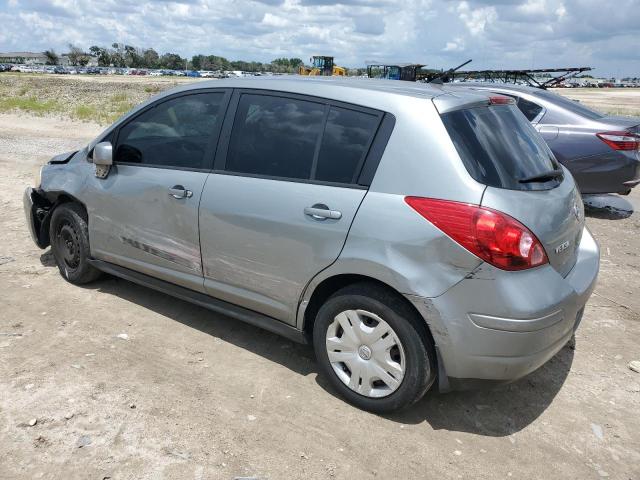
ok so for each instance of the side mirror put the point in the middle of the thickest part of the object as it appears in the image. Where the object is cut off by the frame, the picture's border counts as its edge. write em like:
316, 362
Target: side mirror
103, 158
103, 154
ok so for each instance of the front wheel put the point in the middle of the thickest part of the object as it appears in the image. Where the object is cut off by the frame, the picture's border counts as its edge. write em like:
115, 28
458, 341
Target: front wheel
373, 348
69, 237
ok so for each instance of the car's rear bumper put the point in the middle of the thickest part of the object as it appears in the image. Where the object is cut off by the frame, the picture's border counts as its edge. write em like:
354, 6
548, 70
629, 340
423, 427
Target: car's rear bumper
616, 172
499, 326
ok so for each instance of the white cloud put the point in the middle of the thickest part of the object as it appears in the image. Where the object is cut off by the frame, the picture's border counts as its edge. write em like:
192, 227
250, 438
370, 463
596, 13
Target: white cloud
457, 45
476, 18
496, 34
272, 20
533, 7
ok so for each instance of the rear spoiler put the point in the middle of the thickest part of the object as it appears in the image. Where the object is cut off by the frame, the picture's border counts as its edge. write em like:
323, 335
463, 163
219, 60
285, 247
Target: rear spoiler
467, 98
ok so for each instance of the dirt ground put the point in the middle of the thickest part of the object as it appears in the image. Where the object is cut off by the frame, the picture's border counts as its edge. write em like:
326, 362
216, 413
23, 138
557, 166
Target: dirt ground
614, 101
126, 383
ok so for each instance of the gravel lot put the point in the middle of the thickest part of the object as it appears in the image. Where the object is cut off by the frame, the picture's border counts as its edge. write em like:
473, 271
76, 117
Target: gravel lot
118, 381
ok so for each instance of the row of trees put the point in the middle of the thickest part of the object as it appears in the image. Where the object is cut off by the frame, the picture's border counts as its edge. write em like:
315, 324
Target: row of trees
213, 62
122, 55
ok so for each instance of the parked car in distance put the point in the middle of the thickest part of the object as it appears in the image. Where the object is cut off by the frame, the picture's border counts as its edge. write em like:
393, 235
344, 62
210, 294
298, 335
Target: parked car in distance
410, 235
601, 152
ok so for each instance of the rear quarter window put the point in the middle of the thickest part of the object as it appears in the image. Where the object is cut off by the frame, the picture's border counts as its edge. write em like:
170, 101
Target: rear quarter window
499, 147
345, 143
529, 109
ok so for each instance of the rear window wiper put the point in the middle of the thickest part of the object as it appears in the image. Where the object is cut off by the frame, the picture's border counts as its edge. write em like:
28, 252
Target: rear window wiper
542, 177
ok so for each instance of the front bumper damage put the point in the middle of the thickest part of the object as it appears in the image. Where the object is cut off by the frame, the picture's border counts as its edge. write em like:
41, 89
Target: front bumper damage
37, 212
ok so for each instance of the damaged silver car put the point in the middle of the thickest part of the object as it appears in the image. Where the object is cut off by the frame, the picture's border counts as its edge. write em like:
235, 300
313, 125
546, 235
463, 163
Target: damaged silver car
415, 237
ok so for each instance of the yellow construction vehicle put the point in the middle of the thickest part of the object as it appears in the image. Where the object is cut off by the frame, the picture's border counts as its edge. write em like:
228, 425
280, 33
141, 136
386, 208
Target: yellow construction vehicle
322, 66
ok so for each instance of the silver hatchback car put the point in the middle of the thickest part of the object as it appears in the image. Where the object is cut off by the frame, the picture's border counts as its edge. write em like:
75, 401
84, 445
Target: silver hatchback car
412, 235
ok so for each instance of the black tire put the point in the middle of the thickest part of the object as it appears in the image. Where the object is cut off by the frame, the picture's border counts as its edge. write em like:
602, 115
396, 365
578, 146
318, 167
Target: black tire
69, 236
419, 352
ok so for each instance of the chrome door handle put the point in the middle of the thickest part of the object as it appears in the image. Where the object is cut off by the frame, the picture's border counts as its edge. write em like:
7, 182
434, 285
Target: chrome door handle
178, 191
320, 211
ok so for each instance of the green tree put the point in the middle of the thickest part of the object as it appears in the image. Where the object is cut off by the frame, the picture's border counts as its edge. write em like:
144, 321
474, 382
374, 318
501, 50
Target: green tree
133, 57
117, 55
197, 62
103, 55
52, 57
172, 61
77, 56
150, 58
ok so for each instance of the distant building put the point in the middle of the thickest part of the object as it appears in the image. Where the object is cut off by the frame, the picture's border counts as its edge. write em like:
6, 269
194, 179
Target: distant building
26, 58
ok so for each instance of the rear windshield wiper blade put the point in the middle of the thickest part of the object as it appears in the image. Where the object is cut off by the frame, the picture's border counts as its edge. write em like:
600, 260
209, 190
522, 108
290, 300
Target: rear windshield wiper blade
542, 177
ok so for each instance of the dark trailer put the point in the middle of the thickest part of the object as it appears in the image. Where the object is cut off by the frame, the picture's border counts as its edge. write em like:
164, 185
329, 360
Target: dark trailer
518, 76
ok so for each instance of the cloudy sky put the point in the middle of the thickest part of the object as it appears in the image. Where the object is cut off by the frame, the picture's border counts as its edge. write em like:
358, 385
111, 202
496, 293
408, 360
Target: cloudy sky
495, 34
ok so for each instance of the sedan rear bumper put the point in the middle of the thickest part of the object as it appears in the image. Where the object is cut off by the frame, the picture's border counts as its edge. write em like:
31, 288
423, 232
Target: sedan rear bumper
615, 172
499, 326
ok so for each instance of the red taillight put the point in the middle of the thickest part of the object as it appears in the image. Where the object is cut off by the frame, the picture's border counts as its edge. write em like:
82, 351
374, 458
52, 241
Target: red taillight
501, 100
620, 140
493, 236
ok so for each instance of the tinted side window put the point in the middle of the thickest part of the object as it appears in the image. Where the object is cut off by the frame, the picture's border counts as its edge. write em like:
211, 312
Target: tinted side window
275, 136
345, 143
529, 109
175, 133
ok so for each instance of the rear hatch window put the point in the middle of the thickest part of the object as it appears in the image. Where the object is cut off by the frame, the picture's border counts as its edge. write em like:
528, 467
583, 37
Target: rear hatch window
500, 148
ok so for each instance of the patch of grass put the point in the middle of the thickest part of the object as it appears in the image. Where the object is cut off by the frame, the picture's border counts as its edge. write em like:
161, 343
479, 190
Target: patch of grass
119, 97
23, 91
86, 112
152, 89
122, 108
29, 104
622, 111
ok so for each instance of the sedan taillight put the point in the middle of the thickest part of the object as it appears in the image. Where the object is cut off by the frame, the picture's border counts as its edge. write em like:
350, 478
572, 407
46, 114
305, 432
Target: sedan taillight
620, 140
493, 236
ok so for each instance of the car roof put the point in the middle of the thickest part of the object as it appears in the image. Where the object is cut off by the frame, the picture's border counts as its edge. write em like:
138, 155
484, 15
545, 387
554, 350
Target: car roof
303, 84
367, 92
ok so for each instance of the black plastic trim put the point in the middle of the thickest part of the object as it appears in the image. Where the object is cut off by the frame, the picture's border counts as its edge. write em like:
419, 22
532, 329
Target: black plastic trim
377, 149
239, 313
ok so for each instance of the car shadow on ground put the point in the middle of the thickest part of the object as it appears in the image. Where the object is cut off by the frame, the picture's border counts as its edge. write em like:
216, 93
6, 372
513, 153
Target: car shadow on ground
607, 207
497, 412
296, 357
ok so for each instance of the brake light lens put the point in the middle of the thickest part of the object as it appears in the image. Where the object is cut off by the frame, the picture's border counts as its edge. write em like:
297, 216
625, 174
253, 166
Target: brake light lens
493, 236
626, 141
501, 100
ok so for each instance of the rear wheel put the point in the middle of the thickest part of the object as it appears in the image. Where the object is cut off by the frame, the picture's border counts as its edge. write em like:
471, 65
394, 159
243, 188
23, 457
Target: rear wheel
373, 348
69, 236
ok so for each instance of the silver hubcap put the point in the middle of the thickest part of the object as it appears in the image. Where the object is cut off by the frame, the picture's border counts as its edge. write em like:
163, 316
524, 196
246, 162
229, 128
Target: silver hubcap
365, 353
